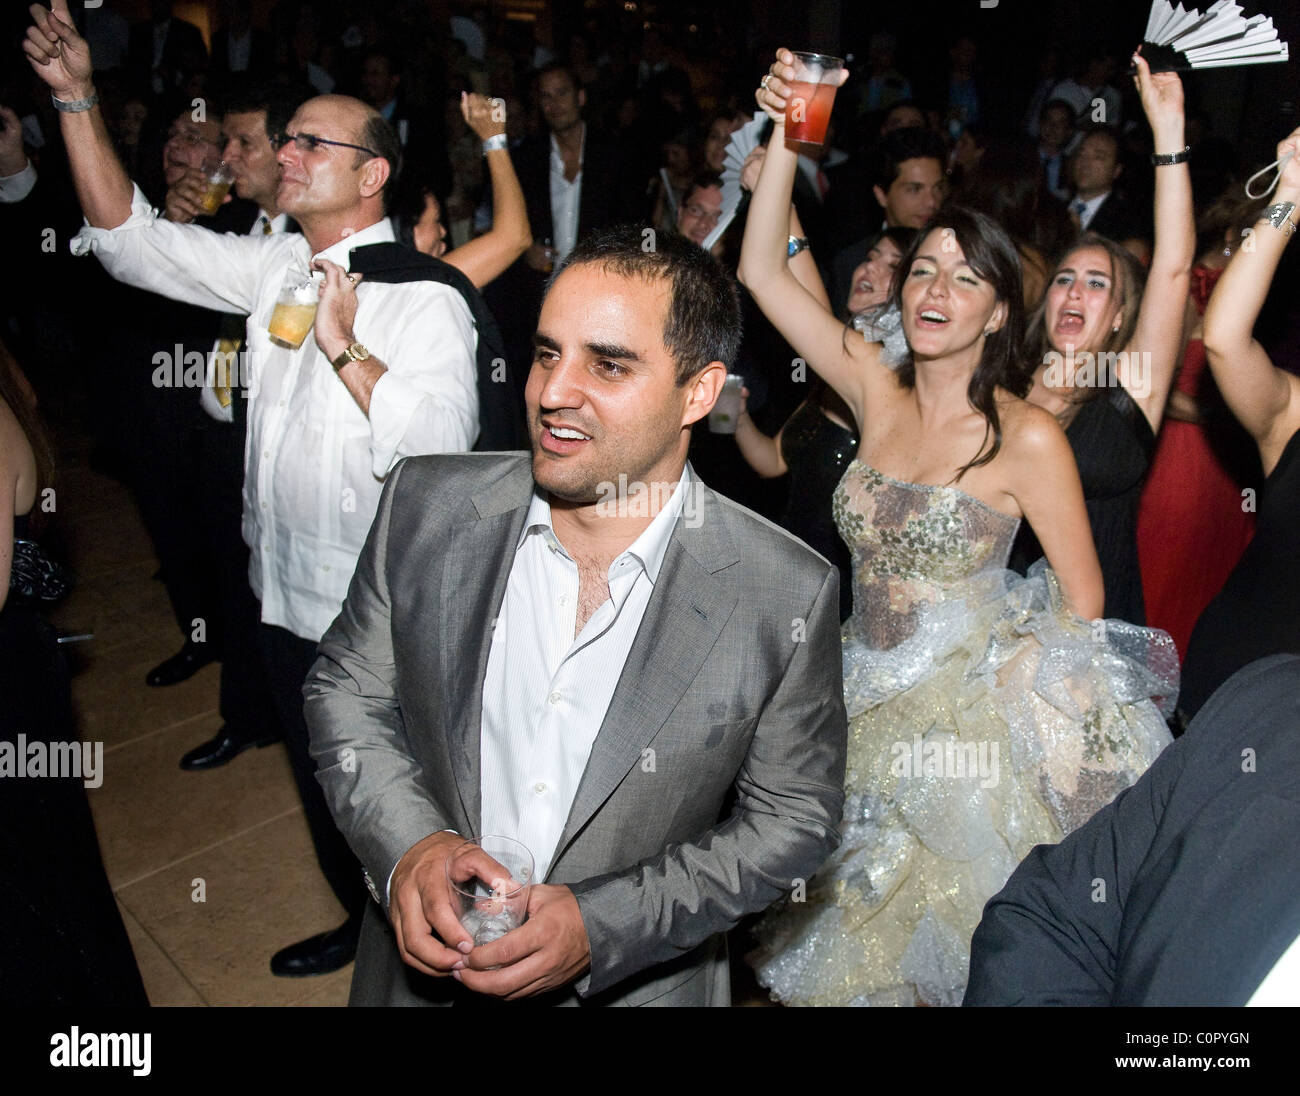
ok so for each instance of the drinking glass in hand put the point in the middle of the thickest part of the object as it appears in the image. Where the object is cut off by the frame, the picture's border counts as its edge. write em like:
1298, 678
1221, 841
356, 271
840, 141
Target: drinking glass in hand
811, 96
489, 880
295, 309
219, 178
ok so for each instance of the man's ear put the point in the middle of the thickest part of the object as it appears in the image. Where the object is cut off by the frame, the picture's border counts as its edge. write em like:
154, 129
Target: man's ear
582, 98
881, 196
705, 387
1119, 170
374, 174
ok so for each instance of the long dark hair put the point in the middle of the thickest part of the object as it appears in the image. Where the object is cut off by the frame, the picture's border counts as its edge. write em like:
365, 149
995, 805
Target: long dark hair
993, 257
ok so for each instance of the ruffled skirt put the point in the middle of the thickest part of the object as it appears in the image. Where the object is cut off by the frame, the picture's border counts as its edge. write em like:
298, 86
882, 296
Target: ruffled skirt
1001, 723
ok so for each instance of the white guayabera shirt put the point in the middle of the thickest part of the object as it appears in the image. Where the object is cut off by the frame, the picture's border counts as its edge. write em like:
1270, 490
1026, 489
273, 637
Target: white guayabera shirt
314, 462
545, 693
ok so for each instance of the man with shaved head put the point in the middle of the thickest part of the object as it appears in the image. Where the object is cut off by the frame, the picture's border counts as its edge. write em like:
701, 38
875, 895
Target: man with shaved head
387, 372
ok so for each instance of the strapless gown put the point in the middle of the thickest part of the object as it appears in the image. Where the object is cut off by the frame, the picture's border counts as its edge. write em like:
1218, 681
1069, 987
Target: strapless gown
984, 718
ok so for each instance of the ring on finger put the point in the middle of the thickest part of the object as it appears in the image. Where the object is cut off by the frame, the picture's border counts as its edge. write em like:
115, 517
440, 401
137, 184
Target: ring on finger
352, 279
763, 82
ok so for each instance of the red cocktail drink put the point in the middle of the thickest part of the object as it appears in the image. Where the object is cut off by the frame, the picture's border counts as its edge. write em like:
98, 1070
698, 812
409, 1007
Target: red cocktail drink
810, 97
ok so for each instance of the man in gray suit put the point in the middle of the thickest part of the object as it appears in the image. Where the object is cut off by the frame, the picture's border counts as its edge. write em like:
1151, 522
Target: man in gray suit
587, 650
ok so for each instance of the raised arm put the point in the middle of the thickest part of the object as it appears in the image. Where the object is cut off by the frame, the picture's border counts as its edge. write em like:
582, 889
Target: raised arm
804, 320
1159, 330
803, 266
1265, 399
486, 257
61, 58
1046, 485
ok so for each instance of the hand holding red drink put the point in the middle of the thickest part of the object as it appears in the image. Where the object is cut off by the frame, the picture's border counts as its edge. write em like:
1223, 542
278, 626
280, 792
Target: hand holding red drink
799, 91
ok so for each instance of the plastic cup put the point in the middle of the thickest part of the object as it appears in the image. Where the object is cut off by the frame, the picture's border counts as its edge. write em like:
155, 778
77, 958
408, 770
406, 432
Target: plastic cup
220, 178
726, 411
811, 97
295, 310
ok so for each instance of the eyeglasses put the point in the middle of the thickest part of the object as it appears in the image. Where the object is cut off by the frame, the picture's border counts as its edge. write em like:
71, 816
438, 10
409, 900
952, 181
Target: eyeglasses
309, 142
189, 137
700, 213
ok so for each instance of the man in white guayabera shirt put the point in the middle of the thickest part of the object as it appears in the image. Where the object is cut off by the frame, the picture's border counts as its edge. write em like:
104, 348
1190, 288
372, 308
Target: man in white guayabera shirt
388, 371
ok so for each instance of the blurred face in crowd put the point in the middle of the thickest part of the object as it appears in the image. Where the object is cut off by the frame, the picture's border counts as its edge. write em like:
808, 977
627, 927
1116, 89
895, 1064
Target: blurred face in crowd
1096, 165
429, 232
1082, 305
915, 195
715, 144
378, 81
131, 122
904, 116
560, 101
324, 179
189, 143
946, 305
698, 215
602, 396
249, 153
967, 151
873, 280
1054, 128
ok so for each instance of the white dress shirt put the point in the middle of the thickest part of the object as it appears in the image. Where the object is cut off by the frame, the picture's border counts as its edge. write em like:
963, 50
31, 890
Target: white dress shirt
1088, 209
566, 197
546, 693
314, 462
208, 394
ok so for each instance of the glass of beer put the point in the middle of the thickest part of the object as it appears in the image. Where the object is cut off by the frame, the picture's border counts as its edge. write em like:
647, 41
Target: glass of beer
811, 96
295, 309
726, 411
219, 178
489, 881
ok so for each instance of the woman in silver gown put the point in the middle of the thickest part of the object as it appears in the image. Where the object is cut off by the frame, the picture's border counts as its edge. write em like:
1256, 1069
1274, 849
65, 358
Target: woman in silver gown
987, 712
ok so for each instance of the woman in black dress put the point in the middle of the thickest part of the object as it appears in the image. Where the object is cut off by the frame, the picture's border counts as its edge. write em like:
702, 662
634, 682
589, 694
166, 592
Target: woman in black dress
1103, 350
1257, 612
63, 942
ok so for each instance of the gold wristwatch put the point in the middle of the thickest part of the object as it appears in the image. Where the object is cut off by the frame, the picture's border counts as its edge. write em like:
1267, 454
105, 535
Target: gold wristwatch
354, 353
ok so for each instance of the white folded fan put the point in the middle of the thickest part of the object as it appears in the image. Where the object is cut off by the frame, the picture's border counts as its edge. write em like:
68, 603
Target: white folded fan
1179, 39
739, 146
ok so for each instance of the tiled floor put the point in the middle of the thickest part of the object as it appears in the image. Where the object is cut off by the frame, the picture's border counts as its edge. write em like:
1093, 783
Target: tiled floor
213, 871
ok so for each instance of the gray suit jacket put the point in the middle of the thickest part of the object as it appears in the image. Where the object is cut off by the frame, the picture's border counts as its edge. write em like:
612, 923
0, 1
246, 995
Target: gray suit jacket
733, 681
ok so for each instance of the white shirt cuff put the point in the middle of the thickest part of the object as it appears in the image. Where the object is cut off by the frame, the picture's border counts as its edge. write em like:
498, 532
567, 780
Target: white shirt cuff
101, 239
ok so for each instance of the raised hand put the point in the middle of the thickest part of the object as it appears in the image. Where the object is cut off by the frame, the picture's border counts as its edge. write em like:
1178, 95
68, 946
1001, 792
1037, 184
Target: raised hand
774, 91
486, 117
1162, 101
57, 52
185, 200
337, 310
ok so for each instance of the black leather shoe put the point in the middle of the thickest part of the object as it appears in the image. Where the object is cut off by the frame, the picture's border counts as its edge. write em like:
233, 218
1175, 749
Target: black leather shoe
330, 951
224, 746
183, 665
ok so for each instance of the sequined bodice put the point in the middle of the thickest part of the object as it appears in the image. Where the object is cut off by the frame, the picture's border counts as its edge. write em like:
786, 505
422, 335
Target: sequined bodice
913, 545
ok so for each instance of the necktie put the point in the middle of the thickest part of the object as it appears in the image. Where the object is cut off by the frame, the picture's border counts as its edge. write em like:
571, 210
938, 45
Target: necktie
1077, 207
266, 225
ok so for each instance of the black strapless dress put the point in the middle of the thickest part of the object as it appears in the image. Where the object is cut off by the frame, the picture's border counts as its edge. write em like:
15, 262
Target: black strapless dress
1113, 445
1257, 613
817, 451
63, 941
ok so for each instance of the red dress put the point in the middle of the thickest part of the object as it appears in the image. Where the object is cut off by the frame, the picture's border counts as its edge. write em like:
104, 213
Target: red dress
1192, 527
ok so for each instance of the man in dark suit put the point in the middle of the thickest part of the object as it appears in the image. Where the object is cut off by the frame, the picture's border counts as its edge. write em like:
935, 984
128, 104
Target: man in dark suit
646, 694
1097, 206
1183, 891
573, 184
163, 47
241, 52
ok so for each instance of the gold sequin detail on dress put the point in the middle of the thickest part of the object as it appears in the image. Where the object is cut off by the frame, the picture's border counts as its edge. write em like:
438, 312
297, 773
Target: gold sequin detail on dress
984, 719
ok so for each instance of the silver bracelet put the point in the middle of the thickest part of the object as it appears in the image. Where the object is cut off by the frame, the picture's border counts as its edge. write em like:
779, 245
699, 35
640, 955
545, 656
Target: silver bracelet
1279, 214
75, 106
497, 140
